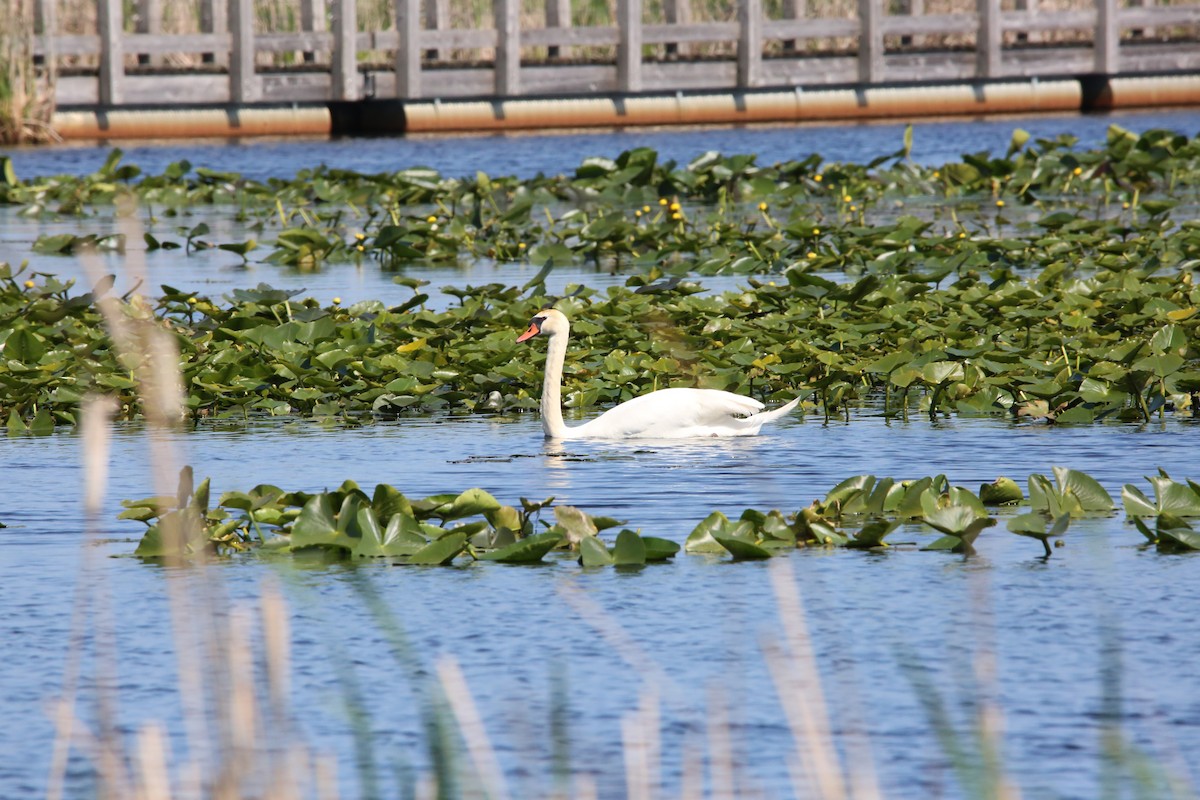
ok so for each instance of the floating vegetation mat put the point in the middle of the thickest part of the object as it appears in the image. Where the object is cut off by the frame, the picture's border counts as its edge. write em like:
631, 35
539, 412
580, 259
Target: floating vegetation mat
1050, 283
858, 513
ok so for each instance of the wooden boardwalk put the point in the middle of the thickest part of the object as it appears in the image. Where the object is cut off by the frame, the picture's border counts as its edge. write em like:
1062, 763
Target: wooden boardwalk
421, 61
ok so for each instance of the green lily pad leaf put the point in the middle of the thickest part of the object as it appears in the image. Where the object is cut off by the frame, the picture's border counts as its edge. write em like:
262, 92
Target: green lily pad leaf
468, 504
1136, 503
1151, 535
940, 372
702, 538
1031, 524
1002, 491
951, 543
912, 503
1091, 495
440, 552
316, 526
529, 550
575, 522
369, 542
139, 513
151, 545
1175, 535
954, 520
593, 553
629, 550
1170, 497
659, 549
741, 549
871, 535
504, 517
387, 501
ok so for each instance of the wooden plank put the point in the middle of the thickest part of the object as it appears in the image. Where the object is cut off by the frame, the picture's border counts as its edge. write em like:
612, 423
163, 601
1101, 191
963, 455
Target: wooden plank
508, 48
408, 50
674, 76
930, 24
157, 44
243, 84
569, 37
1041, 21
1106, 40
870, 41
576, 79
299, 40
75, 44
695, 32
749, 47
988, 39
110, 23
802, 29
1159, 16
460, 39
629, 48
345, 50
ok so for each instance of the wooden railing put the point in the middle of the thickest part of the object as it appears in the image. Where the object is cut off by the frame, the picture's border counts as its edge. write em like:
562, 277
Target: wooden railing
228, 57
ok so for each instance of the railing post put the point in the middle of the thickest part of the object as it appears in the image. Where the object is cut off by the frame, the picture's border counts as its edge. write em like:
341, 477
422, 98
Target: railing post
508, 47
1026, 5
987, 39
312, 19
110, 24
629, 47
792, 9
437, 17
870, 41
1107, 39
214, 18
912, 8
148, 20
243, 83
45, 25
408, 53
558, 15
345, 50
749, 49
677, 12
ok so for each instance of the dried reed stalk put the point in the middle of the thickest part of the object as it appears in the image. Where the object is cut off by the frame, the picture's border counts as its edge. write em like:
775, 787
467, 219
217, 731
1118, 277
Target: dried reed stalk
223, 709
26, 87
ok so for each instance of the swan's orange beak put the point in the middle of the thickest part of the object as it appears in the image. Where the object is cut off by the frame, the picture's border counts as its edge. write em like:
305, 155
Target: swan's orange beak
533, 331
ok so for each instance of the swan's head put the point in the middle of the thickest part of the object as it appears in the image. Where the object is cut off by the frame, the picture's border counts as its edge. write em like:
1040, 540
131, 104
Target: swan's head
548, 322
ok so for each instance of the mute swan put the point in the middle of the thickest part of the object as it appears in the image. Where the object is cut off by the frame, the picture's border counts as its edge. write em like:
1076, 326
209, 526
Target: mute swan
664, 414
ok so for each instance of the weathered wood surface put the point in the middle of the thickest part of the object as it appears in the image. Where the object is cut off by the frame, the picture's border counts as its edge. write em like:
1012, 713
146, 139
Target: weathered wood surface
333, 61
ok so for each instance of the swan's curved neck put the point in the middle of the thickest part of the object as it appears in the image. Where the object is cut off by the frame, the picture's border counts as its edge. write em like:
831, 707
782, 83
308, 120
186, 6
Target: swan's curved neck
552, 418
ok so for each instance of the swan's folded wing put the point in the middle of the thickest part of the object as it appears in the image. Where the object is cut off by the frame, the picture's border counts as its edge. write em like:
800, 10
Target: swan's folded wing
672, 413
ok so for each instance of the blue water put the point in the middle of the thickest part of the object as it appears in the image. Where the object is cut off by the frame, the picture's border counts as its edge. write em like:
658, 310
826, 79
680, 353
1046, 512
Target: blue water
935, 142
690, 632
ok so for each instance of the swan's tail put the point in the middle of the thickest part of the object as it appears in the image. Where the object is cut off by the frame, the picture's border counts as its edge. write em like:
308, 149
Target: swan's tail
756, 421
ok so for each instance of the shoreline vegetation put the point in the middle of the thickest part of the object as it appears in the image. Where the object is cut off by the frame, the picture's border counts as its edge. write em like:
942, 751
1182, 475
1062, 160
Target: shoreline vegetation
1080, 310
26, 83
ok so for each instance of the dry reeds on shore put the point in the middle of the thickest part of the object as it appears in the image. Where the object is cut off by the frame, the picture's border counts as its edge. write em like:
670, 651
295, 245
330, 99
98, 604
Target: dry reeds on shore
26, 84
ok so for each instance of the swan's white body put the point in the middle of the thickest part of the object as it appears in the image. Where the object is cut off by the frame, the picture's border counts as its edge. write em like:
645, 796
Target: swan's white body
664, 414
